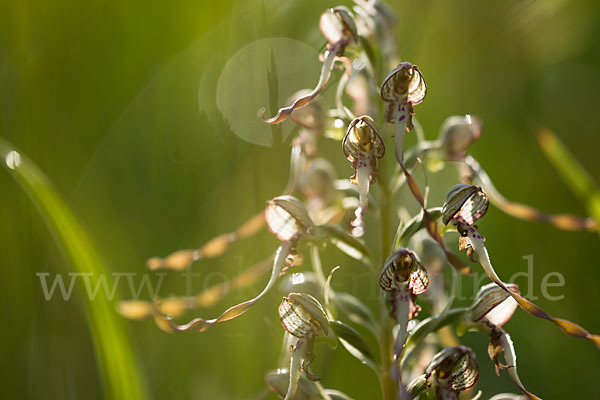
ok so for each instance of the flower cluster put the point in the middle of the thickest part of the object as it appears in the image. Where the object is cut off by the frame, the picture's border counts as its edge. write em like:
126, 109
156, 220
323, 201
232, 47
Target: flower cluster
316, 210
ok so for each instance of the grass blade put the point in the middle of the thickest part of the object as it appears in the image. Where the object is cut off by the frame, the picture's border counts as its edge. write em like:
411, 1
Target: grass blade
113, 351
576, 177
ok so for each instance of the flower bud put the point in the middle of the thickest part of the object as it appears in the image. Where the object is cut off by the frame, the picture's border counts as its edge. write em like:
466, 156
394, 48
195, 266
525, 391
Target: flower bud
452, 370
303, 316
457, 134
492, 305
464, 204
287, 218
337, 25
318, 181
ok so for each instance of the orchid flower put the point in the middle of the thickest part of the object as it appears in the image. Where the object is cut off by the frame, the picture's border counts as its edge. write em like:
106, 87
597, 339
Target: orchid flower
465, 204
456, 135
303, 317
452, 370
491, 309
288, 220
402, 279
363, 145
403, 88
338, 27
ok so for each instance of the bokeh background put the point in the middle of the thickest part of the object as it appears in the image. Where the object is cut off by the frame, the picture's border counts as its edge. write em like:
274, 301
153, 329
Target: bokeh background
117, 102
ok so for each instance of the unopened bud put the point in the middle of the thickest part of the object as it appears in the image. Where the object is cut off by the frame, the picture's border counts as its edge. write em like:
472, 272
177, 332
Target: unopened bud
457, 134
337, 25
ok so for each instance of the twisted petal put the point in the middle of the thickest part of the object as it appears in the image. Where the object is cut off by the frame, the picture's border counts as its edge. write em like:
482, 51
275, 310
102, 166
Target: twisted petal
285, 112
500, 342
522, 211
568, 327
167, 324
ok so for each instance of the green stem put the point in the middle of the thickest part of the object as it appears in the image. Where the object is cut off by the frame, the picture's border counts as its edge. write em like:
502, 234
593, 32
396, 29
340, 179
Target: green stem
388, 385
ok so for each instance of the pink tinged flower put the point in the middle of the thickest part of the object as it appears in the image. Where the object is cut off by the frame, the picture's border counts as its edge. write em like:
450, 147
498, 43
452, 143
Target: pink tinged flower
363, 146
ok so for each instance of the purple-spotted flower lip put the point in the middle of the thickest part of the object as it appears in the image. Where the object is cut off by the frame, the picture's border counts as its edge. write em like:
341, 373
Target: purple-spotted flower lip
337, 25
406, 81
457, 365
363, 136
465, 204
403, 271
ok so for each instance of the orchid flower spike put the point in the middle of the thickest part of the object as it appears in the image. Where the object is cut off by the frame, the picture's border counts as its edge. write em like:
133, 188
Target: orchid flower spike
303, 317
363, 145
403, 88
452, 370
465, 204
402, 278
338, 27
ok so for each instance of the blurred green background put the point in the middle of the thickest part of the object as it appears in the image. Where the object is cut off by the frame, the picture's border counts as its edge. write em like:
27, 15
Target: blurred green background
115, 101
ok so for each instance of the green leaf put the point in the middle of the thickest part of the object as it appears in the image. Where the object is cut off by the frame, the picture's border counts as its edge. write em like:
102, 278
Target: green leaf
355, 310
115, 356
406, 231
575, 176
428, 326
354, 343
346, 243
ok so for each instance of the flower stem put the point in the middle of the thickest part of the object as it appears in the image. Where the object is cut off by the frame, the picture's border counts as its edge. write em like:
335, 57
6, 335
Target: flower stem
388, 385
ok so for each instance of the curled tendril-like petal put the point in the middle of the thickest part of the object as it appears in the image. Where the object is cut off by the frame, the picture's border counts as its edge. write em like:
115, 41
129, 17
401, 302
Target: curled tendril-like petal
522, 211
182, 259
452, 370
500, 342
363, 145
166, 323
476, 242
284, 113
338, 27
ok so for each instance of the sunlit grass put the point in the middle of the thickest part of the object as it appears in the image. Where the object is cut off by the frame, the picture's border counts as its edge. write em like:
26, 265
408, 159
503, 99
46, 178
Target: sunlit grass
113, 351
